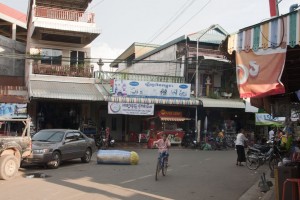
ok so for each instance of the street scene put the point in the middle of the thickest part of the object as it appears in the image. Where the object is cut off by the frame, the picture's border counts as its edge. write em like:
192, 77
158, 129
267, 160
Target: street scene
192, 174
150, 99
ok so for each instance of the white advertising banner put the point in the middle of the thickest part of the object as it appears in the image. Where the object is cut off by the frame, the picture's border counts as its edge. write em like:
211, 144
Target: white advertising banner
268, 120
148, 89
130, 108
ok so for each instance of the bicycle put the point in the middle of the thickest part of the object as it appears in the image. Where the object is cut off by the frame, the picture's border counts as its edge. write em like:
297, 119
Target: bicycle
162, 164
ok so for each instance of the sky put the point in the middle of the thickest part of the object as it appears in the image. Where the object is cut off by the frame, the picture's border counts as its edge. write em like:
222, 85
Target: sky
123, 22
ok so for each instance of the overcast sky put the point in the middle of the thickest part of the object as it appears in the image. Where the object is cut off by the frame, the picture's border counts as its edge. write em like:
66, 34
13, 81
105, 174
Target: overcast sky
123, 22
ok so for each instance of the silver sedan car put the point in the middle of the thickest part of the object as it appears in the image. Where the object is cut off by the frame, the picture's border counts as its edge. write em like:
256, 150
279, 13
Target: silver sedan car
52, 146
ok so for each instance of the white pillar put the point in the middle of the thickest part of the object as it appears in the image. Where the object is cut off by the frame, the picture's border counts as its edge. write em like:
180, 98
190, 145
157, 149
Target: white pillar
14, 30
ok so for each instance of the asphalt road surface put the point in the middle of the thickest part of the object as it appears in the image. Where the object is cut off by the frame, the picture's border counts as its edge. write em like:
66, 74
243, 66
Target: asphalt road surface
193, 174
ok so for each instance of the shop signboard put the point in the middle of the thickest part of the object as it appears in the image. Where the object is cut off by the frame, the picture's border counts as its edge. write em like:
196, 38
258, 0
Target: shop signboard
130, 108
13, 110
268, 120
148, 89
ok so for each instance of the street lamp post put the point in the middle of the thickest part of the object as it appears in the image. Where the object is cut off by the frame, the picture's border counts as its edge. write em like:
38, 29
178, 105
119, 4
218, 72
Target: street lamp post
197, 124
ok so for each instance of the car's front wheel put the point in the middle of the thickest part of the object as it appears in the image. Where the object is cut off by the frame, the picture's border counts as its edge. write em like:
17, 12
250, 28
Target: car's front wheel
56, 160
87, 156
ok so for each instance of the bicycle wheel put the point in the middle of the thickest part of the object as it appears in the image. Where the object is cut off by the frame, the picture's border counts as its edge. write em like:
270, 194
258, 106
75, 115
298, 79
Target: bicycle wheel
274, 160
164, 167
252, 161
157, 170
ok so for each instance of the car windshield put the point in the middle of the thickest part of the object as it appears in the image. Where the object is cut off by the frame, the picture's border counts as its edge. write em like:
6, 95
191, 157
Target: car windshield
49, 136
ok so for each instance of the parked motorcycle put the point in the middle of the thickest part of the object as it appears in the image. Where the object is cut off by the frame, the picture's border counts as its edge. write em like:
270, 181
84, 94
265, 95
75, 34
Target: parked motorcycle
188, 139
99, 141
258, 155
109, 143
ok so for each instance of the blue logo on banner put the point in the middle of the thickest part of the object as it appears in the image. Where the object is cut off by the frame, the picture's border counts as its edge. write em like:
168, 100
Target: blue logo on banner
183, 86
134, 83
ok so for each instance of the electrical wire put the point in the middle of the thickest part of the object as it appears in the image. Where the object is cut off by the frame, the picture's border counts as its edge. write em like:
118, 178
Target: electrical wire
178, 13
172, 19
187, 21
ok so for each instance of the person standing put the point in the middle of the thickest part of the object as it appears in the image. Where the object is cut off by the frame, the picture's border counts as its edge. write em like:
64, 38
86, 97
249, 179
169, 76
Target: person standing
239, 145
271, 134
107, 137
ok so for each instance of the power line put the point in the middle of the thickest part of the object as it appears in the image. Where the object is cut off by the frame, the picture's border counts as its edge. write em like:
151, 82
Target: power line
171, 21
178, 13
188, 20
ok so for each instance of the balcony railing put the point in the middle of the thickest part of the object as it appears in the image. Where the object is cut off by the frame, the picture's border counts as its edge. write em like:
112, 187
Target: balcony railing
66, 70
202, 51
104, 77
62, 14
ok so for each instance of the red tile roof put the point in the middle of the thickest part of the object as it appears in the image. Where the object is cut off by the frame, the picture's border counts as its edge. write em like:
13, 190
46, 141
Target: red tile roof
12, 13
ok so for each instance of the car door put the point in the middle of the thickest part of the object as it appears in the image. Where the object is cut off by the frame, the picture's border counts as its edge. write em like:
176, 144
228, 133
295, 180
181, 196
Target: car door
81, 144
69, 146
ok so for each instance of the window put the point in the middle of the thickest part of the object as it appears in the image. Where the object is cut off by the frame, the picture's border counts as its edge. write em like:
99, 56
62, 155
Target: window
51, 56
70, 136
78, 136
77, 58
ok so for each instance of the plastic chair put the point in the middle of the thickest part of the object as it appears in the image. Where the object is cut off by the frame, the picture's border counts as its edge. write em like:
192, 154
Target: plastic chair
295, 184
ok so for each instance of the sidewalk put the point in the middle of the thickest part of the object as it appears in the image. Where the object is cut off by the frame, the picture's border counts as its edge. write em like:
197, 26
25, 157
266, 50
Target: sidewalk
254, 193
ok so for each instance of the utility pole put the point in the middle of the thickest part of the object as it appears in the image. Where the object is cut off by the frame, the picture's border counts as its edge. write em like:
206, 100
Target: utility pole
273, 4
197, 79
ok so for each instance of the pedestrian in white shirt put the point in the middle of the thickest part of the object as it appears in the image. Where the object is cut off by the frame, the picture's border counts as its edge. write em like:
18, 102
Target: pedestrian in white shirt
239, 145
271, 134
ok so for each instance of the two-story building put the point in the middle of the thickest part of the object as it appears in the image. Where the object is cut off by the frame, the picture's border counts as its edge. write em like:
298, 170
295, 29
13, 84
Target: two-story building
197, 59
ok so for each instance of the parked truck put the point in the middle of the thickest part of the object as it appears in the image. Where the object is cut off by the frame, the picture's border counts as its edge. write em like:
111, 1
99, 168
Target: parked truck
15, 145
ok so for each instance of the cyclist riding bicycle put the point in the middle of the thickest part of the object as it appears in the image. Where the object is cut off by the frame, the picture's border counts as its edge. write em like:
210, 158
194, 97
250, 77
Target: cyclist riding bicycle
163, 145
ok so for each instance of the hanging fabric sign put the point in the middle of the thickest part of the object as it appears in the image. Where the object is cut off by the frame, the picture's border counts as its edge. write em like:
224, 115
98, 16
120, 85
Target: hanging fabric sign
259, 73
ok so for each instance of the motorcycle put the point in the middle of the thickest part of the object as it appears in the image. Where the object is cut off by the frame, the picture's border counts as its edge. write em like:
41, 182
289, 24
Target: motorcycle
188, 139
110, 142
256, 157
99, 140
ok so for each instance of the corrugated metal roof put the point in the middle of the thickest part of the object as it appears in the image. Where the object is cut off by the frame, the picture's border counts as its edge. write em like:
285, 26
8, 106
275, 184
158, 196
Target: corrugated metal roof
214, 36
174, 119
184, 102
222, 103
64, 90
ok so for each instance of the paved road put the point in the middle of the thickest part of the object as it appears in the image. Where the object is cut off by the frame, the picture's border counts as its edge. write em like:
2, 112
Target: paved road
199, 175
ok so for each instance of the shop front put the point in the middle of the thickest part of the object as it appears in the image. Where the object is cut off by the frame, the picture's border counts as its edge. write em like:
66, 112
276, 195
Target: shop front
67, 105
170, 122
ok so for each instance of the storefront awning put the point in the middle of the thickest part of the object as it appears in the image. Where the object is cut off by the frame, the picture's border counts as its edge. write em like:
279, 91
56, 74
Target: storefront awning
190, 102
64, 90
174, 119
222, 103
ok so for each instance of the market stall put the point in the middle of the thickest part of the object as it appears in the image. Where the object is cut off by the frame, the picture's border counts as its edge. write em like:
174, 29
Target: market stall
171, 123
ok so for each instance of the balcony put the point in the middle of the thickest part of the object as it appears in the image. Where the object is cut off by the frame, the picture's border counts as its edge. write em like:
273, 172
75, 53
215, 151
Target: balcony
65, 70
62, 14
63, 25
105, 77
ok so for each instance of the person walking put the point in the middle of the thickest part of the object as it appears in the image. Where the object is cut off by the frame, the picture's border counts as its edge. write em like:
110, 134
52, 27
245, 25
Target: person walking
239, 145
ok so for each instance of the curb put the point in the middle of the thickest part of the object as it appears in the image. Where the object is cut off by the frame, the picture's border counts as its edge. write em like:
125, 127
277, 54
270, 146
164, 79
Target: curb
254, 193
